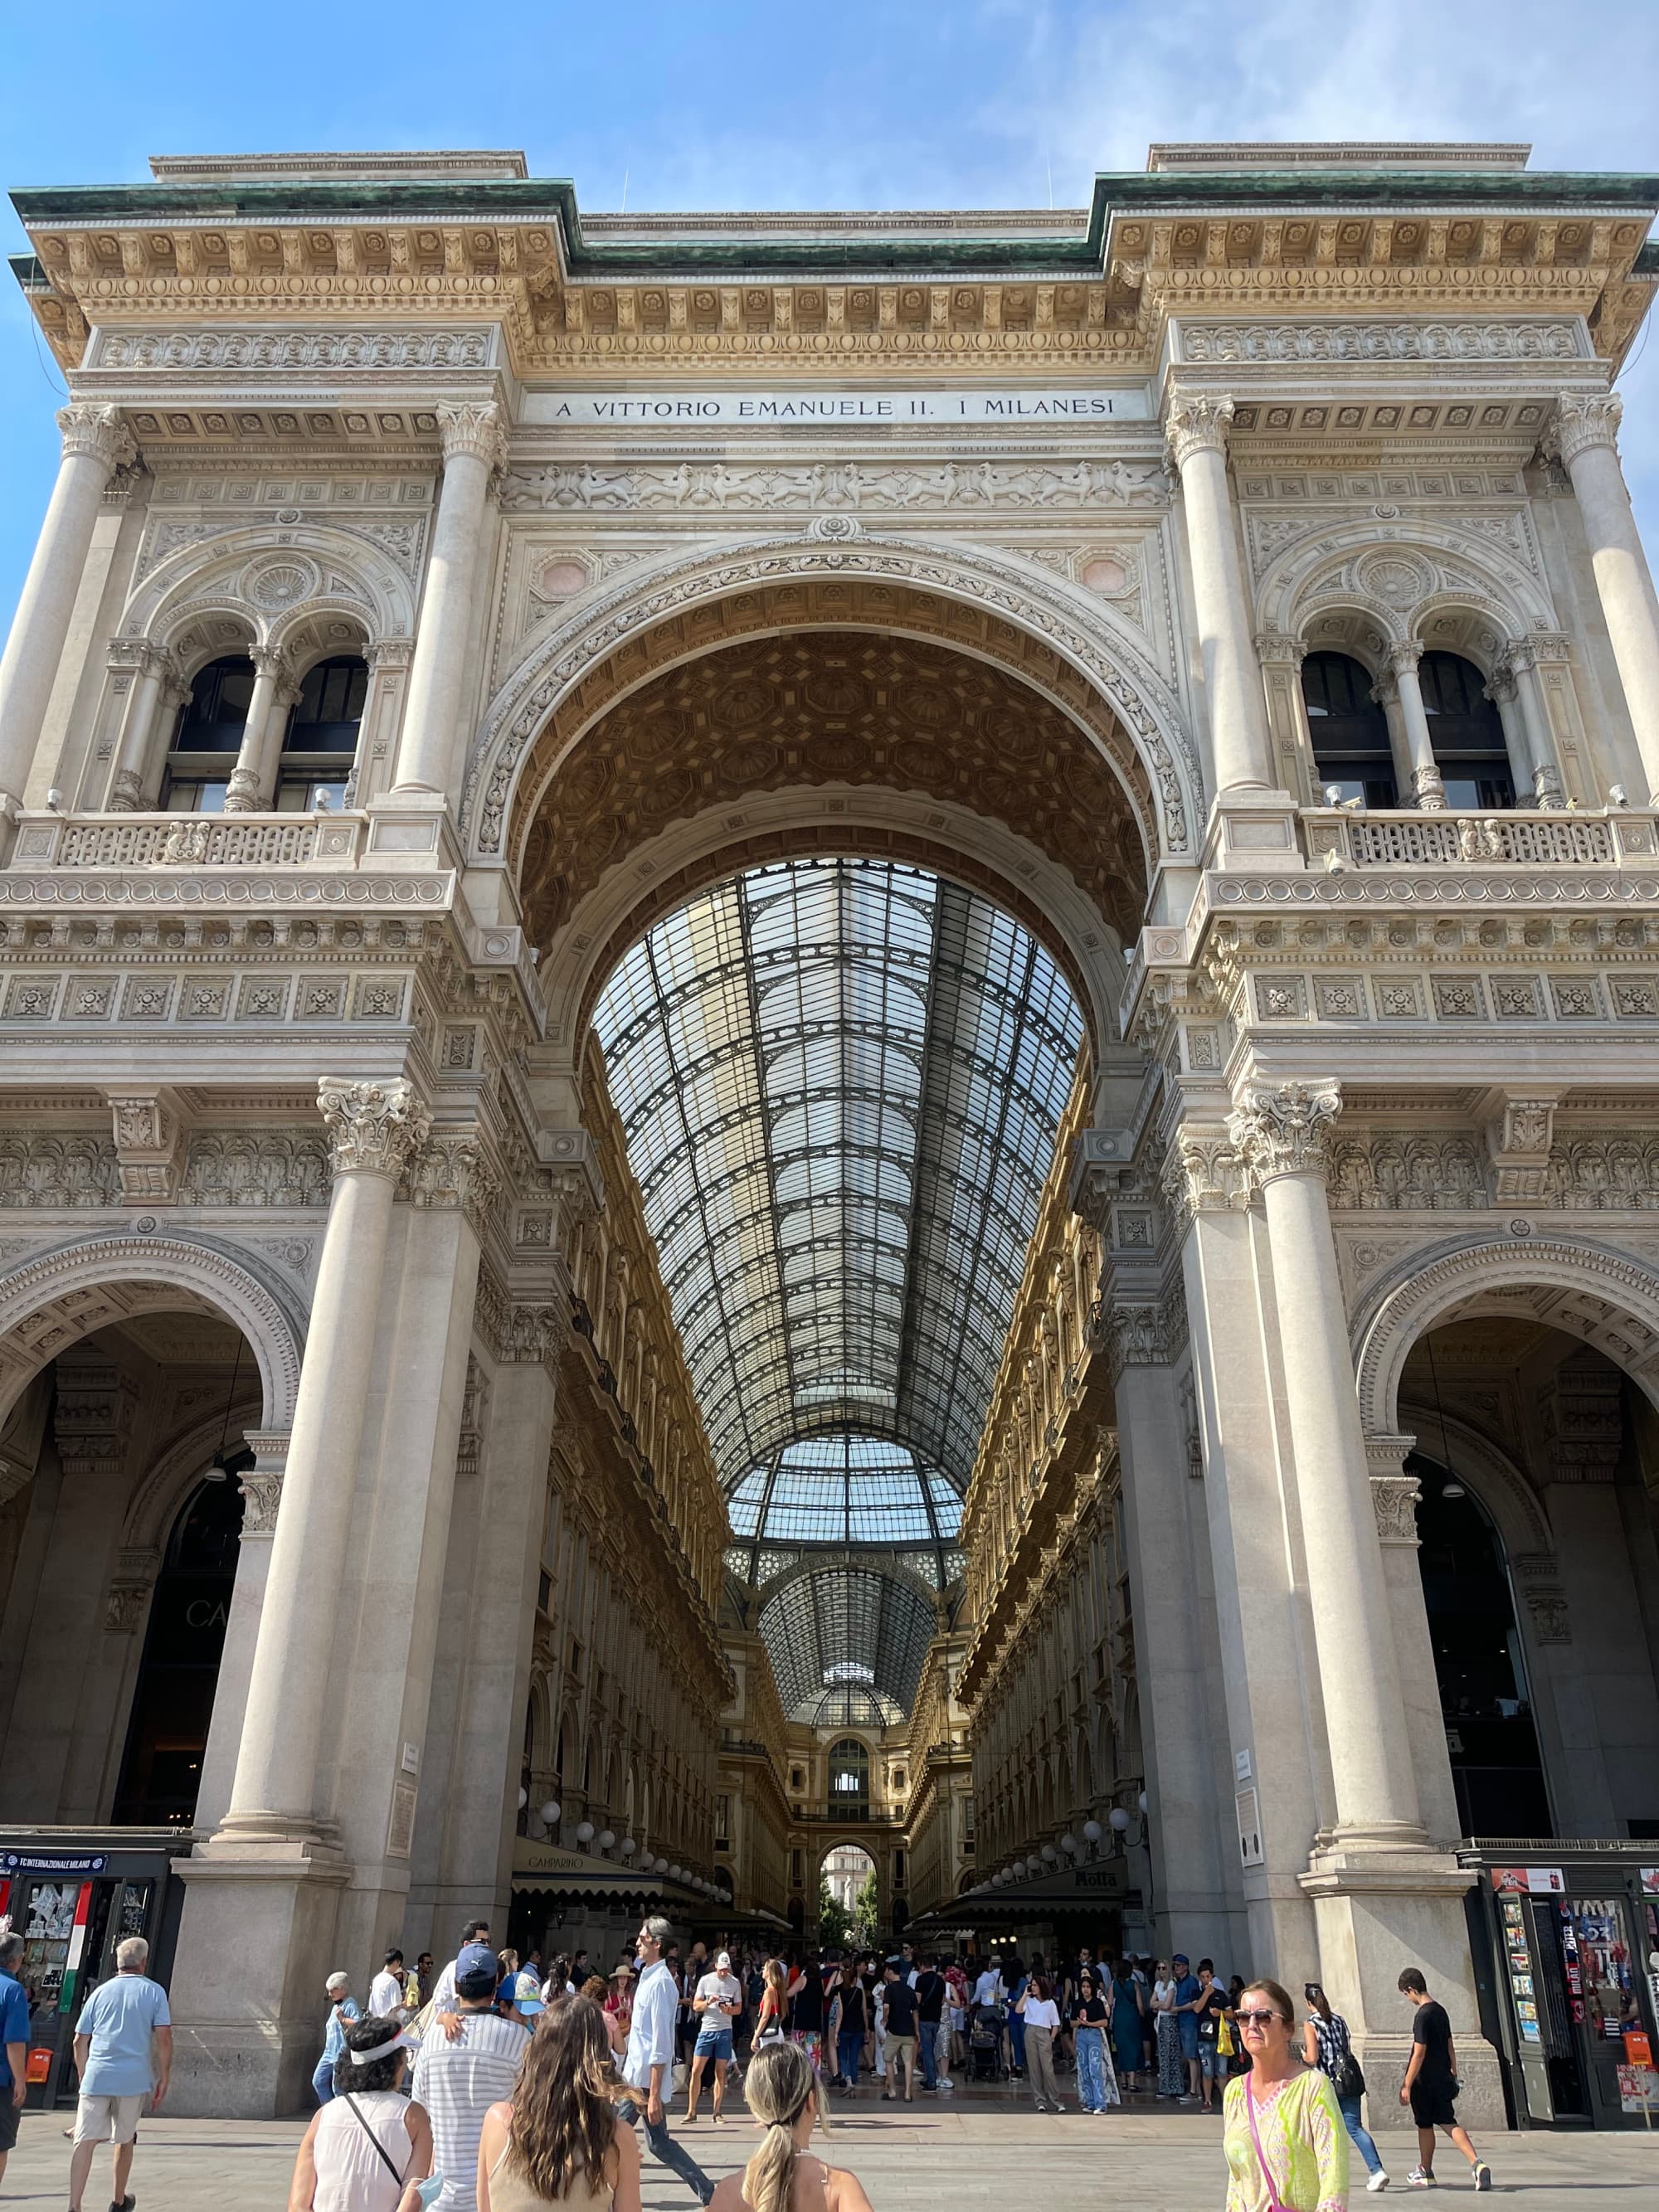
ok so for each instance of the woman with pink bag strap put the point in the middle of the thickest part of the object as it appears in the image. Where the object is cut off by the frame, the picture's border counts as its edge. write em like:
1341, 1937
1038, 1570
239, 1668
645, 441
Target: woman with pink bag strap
1286, 2145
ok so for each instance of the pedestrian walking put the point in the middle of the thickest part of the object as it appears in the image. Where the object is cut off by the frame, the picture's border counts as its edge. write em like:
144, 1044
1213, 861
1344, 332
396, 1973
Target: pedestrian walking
716, 2002
851, 2029
900, 2014
1129, 2012
1326, 2043
560, 2140
1431, 2085
1039, 2017
13, 2044
342, 2009
1096, 2077
467, 2062
930, 1993
122, 2054
1286, 2146
783, 2092
773, 2009
648, 2068
386, 1991
368, 2148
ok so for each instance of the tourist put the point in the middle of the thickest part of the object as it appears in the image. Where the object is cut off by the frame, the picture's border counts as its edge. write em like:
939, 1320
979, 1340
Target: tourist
1096, 2078
1214, 2042
648, 2068
561, 2139
1285, 2144
423, 1975
343, 2007
956, 2003
13, 2044
474, 1933
466, 2063
1128, 2010
386, 1991
1017, 1980
900, 2014
1186, 2019
783, 2092
806, 2011
1326, 2044
930, 1990
772, 2011
1039, 2018
716, 2001
1431, 2085
851, 2027
368, 2148
122, 2054
518, 1993
1169, 2074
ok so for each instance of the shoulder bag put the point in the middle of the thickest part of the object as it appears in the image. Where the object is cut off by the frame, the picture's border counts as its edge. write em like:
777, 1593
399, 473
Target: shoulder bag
1275, 2203
428, 2188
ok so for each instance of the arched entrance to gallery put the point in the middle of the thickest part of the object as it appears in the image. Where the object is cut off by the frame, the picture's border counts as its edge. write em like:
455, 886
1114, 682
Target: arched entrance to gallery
848, 1904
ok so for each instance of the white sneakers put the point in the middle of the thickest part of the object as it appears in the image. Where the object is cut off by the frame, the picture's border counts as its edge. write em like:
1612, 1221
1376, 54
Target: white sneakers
1377, 2183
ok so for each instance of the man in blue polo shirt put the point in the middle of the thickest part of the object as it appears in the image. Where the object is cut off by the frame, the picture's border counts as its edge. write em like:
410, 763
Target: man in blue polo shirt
1185, 2010
14, 2044
124, 2053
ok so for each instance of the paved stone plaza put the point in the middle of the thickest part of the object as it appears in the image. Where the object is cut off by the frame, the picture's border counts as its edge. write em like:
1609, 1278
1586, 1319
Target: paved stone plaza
975, 2152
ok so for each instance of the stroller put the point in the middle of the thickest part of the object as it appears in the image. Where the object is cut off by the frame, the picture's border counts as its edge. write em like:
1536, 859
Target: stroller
985, 2044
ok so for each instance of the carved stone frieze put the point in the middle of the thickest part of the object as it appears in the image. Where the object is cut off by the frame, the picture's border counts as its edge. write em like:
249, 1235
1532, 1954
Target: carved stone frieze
262, 1490
1538, 340
1518, 1143
1202, 1173
1136, 1336
1406, 1172
75, 1169
374, 1128
256, 1167
1394, 1501
291, 348
452, 1168
833, 487
148, 1143
1285, 1131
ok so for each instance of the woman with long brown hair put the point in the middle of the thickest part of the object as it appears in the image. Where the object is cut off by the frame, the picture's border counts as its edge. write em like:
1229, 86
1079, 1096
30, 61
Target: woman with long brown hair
772, 2015
781, 2088
560, 2142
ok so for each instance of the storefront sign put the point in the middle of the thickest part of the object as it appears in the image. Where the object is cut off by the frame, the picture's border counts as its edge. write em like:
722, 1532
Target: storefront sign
1638, 2089
1033, 403
52, 1862
1540, 1881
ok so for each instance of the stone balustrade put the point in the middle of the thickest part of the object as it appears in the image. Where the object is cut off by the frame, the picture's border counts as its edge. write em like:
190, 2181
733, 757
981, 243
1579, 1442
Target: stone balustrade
195, 840
1510, 839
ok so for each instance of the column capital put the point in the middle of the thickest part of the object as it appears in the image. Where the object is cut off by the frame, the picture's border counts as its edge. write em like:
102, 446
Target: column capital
1404, 656
387, 653
270, 660
1585, 419
374, 1128
97, 430
1196, 422
1200, 1173
1282, 1132
1501, 687
472, 426
1274, 649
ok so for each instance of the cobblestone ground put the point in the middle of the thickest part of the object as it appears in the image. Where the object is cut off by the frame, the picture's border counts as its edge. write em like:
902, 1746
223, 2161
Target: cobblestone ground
975, 2151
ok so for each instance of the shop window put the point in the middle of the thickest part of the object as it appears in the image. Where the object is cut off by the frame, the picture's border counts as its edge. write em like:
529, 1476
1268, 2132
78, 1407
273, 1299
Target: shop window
1467, 734
207, 736
1349, 729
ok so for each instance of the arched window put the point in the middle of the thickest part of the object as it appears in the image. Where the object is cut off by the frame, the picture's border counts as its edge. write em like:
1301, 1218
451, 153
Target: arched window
1468, 734
849, 1779
161, 1772
1350, 731
207, 736
321, 741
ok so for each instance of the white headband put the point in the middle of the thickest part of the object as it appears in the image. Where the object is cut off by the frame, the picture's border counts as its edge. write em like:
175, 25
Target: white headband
380, 2050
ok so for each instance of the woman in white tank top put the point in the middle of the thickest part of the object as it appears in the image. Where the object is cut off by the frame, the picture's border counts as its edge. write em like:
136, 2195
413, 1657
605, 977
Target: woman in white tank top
367, 2149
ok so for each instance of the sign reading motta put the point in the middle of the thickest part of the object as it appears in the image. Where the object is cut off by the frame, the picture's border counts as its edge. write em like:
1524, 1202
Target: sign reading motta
1029, 404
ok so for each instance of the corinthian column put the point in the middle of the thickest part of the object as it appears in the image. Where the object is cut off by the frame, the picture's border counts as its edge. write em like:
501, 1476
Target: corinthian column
253, 779
473, 448
96, 442
154, 681
1196, 430
1587, 431
373, 1128
1427, 789
1279, 1136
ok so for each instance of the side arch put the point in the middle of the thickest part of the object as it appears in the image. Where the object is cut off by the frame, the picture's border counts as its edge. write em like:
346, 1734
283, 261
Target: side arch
1395, 574
1057, 638
54, 1300
238, 573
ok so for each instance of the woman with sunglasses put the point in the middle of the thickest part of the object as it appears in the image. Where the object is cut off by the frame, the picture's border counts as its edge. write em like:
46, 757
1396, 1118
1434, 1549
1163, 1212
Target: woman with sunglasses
1284, 2142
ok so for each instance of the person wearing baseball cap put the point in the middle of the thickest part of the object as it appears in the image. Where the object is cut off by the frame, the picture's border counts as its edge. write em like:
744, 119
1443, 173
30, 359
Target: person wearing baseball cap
458, 2075
1188, 1997
717, 2003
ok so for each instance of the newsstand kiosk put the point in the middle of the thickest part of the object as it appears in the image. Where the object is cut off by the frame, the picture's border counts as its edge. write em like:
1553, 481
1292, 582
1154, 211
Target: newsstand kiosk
73, 1898
1566, 1958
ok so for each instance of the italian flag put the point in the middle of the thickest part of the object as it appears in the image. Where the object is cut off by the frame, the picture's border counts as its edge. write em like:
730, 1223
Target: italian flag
78, 1944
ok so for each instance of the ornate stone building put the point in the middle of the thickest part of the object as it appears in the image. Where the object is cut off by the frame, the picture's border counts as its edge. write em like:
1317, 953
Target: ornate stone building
828, 1031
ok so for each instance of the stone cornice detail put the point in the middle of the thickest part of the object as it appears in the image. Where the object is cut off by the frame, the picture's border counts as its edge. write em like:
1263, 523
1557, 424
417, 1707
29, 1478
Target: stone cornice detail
99, 431
1196, 422
374, 1128
1284, 1132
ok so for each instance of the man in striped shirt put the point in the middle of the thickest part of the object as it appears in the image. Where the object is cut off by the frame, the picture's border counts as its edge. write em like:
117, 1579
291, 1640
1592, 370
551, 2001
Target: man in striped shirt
458, 2075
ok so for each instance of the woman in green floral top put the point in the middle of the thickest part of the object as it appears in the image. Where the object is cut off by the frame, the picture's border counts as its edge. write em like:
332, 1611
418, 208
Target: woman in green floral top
1285, 2140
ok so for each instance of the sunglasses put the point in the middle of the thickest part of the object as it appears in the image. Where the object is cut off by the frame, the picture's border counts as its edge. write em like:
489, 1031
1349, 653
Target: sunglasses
1257, 2018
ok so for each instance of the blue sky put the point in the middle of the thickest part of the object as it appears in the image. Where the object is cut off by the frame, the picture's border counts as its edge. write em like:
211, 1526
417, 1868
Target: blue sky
972, 103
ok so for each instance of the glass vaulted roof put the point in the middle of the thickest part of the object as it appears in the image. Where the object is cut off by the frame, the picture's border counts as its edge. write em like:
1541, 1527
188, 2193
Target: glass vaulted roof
840, 1084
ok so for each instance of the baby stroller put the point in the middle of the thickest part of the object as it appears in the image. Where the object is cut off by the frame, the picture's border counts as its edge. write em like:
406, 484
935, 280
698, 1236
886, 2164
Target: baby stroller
985, 2044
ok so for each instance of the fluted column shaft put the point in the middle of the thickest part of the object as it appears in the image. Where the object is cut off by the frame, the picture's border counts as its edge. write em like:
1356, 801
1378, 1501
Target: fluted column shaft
253, 779
1279, 1138
1427, 789
426, 751
1586, 430
372, 1127
1196, 429
96, 442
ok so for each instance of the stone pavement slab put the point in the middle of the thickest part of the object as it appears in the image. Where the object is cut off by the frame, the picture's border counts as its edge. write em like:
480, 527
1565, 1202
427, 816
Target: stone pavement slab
991, 2152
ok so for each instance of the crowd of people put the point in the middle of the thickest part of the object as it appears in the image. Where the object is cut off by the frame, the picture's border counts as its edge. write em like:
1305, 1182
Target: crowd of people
504, 2084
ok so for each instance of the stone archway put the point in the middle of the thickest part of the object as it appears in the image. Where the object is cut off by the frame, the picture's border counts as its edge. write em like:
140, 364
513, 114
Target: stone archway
1052, 635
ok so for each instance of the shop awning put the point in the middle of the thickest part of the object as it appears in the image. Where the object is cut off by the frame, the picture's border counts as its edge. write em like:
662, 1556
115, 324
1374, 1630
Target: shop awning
1081, 1889
550, 1869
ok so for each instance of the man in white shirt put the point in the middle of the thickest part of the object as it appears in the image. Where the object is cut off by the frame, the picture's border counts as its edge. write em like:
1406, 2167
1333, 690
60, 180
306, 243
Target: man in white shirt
716, 2002
648, 2066
990, 1989
386, 1991
443, 1997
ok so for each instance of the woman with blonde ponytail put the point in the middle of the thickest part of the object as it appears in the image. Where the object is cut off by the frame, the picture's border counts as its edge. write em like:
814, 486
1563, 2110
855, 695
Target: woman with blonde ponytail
781, 2088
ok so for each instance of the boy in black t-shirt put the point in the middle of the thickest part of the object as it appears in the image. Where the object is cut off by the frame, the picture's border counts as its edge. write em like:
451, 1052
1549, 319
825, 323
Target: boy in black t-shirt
1431, 2085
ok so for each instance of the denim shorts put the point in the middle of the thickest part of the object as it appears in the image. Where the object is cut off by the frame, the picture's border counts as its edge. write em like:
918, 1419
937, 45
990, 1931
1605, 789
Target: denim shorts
1211, 2062
714, 2042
